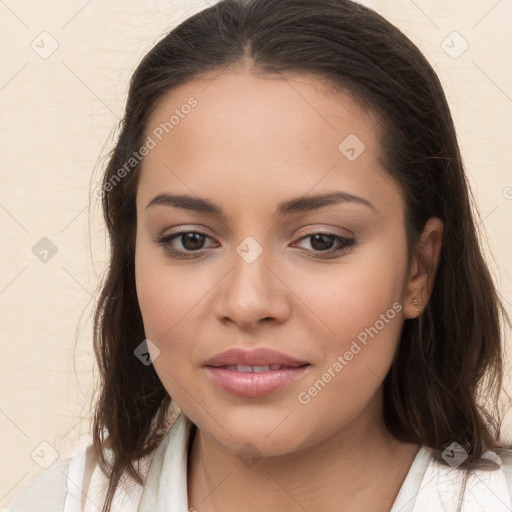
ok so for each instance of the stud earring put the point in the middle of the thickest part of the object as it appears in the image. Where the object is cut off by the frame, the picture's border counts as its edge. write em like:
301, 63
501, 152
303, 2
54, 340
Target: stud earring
416, 303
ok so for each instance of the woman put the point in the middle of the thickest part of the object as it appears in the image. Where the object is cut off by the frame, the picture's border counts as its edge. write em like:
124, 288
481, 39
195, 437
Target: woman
297, 314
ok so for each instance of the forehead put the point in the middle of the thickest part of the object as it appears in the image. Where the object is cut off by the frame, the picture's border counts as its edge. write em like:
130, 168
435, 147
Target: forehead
271, 135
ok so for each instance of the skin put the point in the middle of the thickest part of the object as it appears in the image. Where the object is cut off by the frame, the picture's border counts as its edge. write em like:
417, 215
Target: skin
252, 142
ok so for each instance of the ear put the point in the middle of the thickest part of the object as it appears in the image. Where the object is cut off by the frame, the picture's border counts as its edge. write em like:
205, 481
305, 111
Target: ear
422, 268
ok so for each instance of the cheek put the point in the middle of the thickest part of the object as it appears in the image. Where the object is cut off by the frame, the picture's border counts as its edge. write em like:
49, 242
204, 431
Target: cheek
352, 295
359, 305
356, 359
167, 297
172, 301
165, 292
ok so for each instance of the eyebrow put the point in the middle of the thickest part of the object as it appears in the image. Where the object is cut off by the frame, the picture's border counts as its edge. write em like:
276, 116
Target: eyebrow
299, 204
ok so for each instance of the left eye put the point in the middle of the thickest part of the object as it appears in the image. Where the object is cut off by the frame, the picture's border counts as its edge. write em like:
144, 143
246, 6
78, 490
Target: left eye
323, 242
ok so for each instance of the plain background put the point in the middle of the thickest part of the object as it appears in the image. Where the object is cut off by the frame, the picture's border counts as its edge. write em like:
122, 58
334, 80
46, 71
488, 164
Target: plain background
58, 112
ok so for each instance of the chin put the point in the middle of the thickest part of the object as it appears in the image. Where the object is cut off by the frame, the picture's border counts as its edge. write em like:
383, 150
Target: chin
254, 435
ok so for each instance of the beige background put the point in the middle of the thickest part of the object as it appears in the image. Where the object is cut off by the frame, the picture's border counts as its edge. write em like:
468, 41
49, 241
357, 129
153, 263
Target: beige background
57, 114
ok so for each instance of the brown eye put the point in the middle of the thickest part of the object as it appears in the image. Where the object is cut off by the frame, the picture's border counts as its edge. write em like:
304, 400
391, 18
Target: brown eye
183, 244
324, 242
192, 241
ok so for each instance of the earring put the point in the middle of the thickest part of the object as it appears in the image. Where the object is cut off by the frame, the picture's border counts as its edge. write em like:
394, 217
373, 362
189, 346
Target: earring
416, 303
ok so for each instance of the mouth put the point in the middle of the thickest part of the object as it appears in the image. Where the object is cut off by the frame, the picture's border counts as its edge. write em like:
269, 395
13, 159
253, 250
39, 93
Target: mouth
254, 373
254, 361
257, 369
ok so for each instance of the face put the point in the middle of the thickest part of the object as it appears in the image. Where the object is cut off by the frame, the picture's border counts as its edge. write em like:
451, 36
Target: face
266, 268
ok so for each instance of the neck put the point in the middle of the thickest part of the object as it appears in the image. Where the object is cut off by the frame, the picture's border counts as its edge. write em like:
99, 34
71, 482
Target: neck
361, 466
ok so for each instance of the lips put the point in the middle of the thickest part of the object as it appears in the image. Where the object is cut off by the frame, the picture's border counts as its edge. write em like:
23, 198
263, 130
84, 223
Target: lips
254, 373
255, 369
253, 360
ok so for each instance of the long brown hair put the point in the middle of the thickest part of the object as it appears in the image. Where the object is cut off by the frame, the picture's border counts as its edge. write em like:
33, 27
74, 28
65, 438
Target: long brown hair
449, 358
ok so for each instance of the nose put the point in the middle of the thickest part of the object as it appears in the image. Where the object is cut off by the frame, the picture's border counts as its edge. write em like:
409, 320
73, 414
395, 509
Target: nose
252, 292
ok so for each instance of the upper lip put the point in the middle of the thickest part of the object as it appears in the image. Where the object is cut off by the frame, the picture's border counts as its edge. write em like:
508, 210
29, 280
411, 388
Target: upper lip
256, 357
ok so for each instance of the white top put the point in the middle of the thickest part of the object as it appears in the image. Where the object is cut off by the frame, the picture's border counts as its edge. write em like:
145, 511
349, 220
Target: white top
78, 485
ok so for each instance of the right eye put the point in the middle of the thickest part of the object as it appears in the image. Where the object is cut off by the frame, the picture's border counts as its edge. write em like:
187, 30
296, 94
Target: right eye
191, 242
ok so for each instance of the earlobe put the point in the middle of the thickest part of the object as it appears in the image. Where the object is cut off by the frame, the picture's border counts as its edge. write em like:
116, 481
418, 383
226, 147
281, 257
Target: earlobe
424, 262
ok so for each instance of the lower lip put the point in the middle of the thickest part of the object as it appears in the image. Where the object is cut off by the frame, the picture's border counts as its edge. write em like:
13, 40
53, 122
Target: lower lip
255, 384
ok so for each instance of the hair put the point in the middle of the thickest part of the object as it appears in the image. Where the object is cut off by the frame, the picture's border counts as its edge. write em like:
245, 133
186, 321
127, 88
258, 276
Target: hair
450, 358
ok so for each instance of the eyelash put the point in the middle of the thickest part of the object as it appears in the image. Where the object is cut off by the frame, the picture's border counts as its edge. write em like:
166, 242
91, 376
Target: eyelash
345, 244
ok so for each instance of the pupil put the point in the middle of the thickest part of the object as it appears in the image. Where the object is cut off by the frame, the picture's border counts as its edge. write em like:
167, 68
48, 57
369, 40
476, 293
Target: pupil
191, 242
325, 242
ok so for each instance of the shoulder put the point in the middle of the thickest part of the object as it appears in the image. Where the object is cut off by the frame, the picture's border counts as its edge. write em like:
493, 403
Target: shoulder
76, 483
62, 487
506, 468
46, 493
486, 487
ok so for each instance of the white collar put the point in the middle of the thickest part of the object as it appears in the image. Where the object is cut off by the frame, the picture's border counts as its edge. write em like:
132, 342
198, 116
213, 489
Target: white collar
429, 485
165, 489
